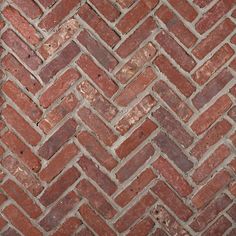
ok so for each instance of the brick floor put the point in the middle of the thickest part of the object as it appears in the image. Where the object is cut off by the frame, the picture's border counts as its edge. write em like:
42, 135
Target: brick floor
118, 117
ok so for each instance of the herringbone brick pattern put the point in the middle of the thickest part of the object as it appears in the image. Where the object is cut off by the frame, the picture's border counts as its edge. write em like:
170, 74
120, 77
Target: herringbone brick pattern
118, 117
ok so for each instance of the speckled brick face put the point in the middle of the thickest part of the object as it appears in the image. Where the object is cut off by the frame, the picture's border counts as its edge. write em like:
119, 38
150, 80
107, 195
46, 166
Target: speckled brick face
118, 117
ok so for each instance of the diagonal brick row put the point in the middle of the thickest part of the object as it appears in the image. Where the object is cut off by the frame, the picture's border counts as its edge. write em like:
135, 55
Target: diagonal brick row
118, 117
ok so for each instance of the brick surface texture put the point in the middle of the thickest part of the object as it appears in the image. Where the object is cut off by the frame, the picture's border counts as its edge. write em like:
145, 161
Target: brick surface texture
118, 117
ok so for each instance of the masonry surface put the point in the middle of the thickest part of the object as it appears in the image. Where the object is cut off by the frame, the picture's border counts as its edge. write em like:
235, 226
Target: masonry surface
118, 117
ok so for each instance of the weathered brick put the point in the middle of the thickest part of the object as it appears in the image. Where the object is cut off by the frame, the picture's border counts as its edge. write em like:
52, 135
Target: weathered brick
54, 143
181, 186
54, 42
96, 199
174, 76
58, 13
136, 138
91, 170
175, 51
62, 60
98, 126
22, 25
203, 74
173, 100
214, 160
22, 50
131, 91
102, 80
62, 208
213, 39
97, 23
176, 26
20, 221
132, 43
52, 193
207, 193
172, 201
173, 152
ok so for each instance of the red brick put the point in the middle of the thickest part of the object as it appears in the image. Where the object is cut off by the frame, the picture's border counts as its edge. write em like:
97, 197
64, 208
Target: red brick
219, 227
232, 212
62, 60
96, 199
184, 9
202, 3
173, 127
99, 77
29, 7
210, 213
142, 56
21, 198
207, 193
15, 120
98, 24
57, 164
68, 227
142, 228
159, 232
136, 138
22, 50
52, 193
125, 3
213, 15
175, 51
232, 113
107, 9
22, 100
10, 232
173, 100
98, 126
104, 57
170, 199
97, 101
59, 211
96, 150
22, 25
181, 186
131, 91
232, 232
22, 151
20, 221
59, 87
85, 232
3, 198
91, 170
132, 214
212, 88
214, 38
54, 143
136, 14
58, 13
167, 222
209, 116
2, 222
174, 76
54, 42
232, 188
47, 3
203, 74
67, 105
12, 65
176, 26
212, 136
135, 114
22, 174
135, 187
214, 160
135, 163
95, 221
139, 35
173, 152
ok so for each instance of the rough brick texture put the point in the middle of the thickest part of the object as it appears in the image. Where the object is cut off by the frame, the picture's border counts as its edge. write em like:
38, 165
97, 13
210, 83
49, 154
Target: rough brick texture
118, 117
